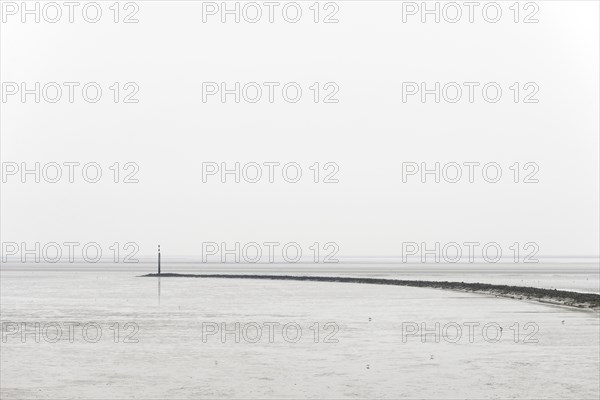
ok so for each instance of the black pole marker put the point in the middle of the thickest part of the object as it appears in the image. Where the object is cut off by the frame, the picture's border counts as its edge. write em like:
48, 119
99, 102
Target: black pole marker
159, 259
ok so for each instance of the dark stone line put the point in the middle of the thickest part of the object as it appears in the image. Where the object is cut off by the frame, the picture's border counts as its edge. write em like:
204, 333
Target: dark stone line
575, 299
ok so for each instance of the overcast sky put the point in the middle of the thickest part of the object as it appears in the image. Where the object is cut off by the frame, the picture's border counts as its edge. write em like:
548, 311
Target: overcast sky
368, 133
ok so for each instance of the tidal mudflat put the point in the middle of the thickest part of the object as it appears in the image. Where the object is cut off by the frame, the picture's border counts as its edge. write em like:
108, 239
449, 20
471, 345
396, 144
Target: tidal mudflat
198, 338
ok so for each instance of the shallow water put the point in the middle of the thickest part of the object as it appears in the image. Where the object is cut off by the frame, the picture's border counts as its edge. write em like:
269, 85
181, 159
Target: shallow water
371, 358
572, 275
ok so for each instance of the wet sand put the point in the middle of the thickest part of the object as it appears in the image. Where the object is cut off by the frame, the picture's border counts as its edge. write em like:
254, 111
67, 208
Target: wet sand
557, 360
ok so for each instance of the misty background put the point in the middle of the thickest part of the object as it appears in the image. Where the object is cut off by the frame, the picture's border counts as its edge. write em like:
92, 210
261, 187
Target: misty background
369, 133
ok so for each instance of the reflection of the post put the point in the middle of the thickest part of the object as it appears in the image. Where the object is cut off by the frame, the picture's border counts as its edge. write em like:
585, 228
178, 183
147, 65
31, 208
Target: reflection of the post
158, 290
